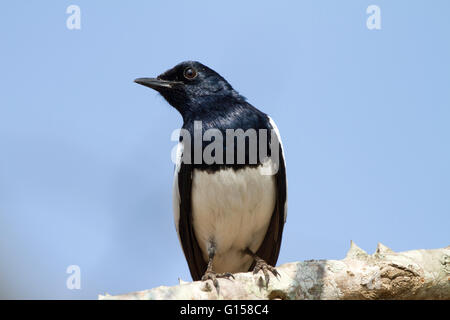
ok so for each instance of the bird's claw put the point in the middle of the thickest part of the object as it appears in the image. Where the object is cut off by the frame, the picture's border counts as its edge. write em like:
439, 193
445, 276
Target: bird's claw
263, 266
211, 275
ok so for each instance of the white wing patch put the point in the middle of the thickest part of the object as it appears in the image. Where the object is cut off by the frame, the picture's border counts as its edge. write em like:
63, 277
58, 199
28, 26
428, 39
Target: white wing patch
274, 126
176, 200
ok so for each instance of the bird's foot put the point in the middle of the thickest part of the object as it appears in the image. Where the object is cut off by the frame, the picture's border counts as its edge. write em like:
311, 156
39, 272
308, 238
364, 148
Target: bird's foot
263, 266
211, 275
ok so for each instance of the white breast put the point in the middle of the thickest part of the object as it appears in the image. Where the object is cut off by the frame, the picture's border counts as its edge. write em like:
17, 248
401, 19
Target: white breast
233, 208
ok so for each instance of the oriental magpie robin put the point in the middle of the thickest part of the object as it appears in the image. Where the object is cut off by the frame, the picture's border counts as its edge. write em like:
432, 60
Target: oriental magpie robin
229, 212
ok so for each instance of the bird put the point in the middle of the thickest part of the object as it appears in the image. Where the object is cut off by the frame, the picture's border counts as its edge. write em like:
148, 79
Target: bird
228, 215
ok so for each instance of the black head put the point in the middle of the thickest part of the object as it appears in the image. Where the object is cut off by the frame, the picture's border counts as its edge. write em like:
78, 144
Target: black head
192, 87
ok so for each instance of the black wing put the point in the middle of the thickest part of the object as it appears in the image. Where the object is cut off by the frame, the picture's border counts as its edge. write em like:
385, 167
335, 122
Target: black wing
270, 247
191, 249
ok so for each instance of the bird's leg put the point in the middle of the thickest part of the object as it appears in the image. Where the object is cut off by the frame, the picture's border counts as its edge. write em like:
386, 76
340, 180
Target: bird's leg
263, 266
210, 274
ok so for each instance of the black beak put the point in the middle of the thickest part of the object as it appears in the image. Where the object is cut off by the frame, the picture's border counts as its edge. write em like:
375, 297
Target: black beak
156, 84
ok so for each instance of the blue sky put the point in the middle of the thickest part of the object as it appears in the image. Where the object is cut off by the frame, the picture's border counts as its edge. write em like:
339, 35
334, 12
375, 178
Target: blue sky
85, 168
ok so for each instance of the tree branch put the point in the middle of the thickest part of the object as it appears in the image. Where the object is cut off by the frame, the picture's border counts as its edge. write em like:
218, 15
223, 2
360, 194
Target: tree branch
416, 274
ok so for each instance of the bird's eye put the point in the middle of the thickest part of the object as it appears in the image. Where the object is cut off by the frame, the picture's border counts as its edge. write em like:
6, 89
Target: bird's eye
190, 73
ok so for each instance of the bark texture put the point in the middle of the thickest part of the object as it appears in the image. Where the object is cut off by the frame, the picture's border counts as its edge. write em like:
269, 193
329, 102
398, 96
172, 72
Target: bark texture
416, 274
